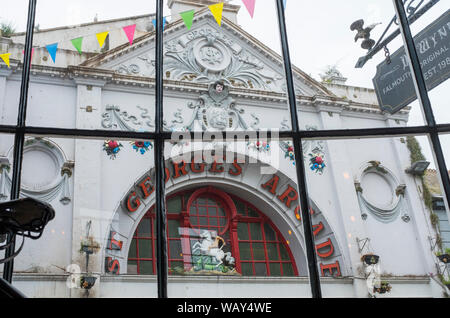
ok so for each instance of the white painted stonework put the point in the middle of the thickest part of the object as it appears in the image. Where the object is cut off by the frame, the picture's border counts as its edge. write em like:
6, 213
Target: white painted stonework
115, 90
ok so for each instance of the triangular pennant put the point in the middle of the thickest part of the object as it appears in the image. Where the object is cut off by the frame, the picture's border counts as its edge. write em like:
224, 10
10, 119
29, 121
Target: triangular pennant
250, 5
5, 58
101, 37
217, 10
77, 43
188, 17
129, 31
52, 48
164, 22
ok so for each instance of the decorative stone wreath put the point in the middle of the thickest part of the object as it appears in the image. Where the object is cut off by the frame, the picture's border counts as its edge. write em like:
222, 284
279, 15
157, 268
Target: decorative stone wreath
387, 213
57, 178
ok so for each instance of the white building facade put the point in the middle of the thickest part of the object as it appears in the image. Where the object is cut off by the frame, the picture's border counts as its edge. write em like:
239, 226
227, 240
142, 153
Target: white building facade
234, 225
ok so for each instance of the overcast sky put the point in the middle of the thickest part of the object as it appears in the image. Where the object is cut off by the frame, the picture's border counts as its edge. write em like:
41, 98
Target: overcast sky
319, 34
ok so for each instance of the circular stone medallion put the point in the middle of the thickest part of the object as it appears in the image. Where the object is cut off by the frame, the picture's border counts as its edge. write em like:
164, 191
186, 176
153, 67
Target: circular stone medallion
212, 56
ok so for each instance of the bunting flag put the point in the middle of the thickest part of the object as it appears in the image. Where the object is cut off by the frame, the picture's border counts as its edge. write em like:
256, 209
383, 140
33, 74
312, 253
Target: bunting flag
5, 58
250, 5
164, 22
129, 31
217, 10
52, 48
188, 17
32, 52
101, 37
77, 43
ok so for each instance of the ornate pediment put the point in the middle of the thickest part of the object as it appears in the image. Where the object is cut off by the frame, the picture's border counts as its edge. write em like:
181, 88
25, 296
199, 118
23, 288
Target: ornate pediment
208, 53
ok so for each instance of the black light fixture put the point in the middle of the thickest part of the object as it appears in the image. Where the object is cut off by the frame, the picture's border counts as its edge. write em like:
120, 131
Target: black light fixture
418, 168
25, 217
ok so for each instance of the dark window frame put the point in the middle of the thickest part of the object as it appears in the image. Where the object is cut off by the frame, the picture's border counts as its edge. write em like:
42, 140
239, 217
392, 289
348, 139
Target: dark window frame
431, 129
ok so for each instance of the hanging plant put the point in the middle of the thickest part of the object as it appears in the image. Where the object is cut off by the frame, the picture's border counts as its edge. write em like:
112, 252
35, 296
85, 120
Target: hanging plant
385, 287
142, 146
444, 257
316, 162
87, 282
370, 259
112, 148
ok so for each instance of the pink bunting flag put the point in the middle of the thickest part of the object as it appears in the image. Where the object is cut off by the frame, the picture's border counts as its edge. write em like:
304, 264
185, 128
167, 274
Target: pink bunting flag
129, 31
250, 5
32, 52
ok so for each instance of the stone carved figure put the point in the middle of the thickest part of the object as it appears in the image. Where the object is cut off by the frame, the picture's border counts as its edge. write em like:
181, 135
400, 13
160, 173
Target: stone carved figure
216, 111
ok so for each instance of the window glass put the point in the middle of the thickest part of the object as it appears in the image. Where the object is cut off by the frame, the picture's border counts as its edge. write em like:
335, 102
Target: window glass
93, 64
431, 36
99, 198
357, 77
13, 22
383, 198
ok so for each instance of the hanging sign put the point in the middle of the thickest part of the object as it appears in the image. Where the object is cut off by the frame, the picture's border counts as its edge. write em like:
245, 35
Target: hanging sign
393, 82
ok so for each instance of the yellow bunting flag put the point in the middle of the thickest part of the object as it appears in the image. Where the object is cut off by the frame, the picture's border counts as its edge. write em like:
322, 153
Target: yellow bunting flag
101, 37
5, 58
216, 10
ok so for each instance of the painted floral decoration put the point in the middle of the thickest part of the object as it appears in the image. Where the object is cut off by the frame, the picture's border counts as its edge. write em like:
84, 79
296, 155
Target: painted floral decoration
290, 153
142, 146
259, 146
316, 162
112, 148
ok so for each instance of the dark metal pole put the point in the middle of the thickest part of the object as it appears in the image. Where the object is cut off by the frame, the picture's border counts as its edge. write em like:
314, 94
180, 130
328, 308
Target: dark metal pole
300, 166
20, 134
161, 249
421, 90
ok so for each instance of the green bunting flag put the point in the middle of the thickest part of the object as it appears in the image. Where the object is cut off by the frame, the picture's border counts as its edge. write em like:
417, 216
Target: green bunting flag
188, 17
77, 43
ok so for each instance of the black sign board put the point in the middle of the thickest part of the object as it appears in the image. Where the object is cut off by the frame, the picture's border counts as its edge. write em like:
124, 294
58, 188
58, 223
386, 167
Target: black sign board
393, 83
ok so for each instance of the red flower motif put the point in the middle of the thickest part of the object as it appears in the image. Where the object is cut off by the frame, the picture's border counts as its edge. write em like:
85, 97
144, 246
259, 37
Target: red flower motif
113, 144
319, 160
139, 144
290, 149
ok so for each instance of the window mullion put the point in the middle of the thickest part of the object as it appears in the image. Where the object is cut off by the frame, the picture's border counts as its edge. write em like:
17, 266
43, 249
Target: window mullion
300, 166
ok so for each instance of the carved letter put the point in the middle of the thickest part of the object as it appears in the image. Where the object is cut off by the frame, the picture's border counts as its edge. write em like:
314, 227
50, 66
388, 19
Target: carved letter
113, 243
133, 202
146, 187
216, 167
112, 266
330, 268
318, 228
238, 168
179, 167
329, 244
200, 169
290, 198
272, 184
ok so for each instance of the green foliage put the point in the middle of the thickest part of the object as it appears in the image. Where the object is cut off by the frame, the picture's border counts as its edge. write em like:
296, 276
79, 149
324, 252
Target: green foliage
434, 219
7, 28
414, 149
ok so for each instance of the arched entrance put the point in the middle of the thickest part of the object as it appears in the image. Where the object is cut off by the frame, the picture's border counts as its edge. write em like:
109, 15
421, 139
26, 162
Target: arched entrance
242, 231
274, 194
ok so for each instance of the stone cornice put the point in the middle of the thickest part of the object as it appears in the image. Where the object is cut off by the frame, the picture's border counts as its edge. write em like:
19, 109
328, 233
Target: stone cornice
137, 84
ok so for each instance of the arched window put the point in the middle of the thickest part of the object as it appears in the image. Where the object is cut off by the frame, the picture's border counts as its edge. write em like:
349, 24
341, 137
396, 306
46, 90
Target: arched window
195, 218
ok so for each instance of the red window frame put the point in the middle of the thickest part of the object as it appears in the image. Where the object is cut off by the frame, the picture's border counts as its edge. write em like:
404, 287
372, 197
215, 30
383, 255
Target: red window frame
227, 202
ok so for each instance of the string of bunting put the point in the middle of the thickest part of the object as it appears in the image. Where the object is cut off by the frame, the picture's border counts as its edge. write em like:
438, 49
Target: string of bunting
186, 16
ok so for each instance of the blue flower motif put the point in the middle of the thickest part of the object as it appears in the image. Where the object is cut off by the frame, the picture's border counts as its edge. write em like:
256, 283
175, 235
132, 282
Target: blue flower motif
142, 151
146, 144
316, 166
116, 150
